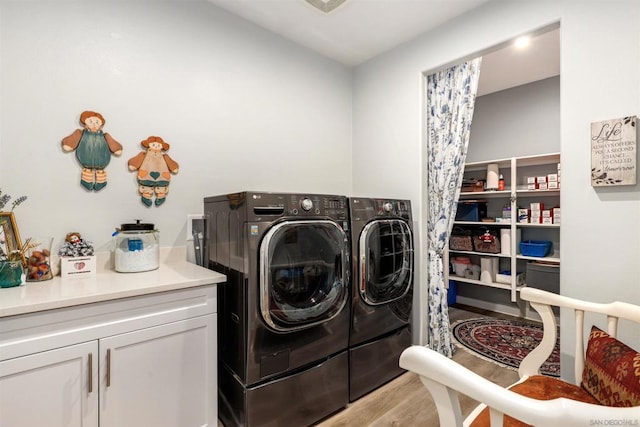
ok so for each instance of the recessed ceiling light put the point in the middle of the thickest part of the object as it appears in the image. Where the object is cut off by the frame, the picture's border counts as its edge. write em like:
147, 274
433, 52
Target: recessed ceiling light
522, 42
325, 6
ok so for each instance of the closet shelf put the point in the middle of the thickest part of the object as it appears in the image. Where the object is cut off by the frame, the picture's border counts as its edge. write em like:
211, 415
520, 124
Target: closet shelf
517, 172
479, 282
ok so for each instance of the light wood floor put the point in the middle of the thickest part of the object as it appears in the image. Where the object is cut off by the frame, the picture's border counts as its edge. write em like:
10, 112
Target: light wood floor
406, 402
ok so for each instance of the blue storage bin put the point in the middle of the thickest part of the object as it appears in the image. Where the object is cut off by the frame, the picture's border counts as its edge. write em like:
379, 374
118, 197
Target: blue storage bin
471, 211
536, 248
451, 293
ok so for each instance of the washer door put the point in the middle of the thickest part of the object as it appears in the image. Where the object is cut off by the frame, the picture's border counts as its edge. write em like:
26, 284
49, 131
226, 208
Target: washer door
386, 261
303, 274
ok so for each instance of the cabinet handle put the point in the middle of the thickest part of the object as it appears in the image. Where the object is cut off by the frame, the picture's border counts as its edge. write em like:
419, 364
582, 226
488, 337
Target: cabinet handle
108, 367
90, 369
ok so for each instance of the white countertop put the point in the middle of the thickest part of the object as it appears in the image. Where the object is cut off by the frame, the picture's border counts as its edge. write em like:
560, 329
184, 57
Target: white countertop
105, 285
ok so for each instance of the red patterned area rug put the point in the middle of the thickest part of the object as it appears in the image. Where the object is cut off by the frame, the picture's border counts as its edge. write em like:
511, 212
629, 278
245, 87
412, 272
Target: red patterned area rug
504, 342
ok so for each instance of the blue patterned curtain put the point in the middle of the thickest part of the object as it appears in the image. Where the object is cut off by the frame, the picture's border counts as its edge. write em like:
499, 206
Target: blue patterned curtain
451, 95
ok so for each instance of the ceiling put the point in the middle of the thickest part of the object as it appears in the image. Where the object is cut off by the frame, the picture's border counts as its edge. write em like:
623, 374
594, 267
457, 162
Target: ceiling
355, 31
510, 66
358, 30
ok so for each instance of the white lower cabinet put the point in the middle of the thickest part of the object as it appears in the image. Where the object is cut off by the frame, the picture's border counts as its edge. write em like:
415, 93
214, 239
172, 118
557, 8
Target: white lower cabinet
54, 388
157, 371
158, 376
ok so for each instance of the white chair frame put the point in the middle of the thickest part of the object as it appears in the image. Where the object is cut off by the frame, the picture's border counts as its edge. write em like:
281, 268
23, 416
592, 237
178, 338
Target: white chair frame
445, 378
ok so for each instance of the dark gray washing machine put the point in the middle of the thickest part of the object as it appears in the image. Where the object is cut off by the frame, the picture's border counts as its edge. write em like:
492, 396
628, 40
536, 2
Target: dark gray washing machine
283, 314
382, 291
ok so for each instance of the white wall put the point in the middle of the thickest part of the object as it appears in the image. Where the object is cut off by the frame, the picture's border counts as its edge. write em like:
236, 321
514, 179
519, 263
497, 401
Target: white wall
242, 108
600, 64
520, 121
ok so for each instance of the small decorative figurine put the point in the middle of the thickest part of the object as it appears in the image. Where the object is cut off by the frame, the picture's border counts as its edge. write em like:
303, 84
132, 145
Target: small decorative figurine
74, 246
76, 257
93, 150
154, 170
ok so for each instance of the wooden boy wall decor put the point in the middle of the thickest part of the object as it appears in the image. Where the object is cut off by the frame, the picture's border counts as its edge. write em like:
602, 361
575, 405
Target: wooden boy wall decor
93, 150
154, 170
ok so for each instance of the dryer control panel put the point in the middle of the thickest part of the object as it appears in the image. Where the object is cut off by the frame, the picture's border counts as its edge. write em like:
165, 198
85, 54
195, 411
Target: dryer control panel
363, 208
318, 205
399, 208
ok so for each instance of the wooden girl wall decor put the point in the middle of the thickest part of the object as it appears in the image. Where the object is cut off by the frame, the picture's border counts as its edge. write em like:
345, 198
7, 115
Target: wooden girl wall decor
93, 150
154, 170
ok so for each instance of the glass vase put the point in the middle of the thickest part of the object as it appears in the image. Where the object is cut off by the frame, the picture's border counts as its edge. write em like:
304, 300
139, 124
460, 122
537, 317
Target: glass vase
39, 259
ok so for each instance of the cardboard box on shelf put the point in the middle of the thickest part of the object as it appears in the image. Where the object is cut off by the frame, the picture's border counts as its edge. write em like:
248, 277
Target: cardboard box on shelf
523, 215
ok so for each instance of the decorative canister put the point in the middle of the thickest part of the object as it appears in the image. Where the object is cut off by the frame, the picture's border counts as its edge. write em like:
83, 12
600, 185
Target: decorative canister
137, 248
10, 273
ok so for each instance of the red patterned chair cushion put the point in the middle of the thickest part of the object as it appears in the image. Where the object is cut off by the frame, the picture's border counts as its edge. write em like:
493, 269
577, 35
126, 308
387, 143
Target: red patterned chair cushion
611, 371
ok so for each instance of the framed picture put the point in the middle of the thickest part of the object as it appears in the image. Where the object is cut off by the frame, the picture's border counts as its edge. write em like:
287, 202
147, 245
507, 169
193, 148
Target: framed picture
9, 235
613, 152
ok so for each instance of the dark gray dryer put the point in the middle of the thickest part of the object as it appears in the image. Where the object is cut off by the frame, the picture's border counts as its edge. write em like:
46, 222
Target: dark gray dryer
382, 291
283, 315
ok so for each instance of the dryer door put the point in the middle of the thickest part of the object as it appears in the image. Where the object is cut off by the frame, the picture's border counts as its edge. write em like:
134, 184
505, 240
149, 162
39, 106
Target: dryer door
303, 274
386, 261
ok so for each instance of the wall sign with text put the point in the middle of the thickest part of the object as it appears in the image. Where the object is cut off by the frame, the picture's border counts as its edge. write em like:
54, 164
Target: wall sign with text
613, 152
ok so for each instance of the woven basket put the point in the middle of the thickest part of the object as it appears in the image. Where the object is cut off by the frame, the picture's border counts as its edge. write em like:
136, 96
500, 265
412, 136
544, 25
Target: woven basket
487, 243
460, 240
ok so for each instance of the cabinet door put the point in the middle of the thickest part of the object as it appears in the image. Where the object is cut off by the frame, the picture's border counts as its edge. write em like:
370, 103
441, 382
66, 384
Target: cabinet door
160, 376
52, 388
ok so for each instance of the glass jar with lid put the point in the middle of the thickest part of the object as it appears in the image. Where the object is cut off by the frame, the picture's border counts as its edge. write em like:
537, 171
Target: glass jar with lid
137, 247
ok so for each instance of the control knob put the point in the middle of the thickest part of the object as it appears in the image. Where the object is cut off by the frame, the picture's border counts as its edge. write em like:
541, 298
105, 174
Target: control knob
306, 204
387, 207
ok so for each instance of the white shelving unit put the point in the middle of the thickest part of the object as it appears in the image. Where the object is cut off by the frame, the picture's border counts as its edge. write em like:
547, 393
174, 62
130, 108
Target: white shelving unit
515, 170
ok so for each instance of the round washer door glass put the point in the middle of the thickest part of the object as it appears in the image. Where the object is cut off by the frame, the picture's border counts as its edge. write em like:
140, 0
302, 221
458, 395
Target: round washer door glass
386, 261
303, 275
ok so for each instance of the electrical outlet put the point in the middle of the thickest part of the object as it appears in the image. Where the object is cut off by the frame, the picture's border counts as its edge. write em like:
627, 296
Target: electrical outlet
191, 218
